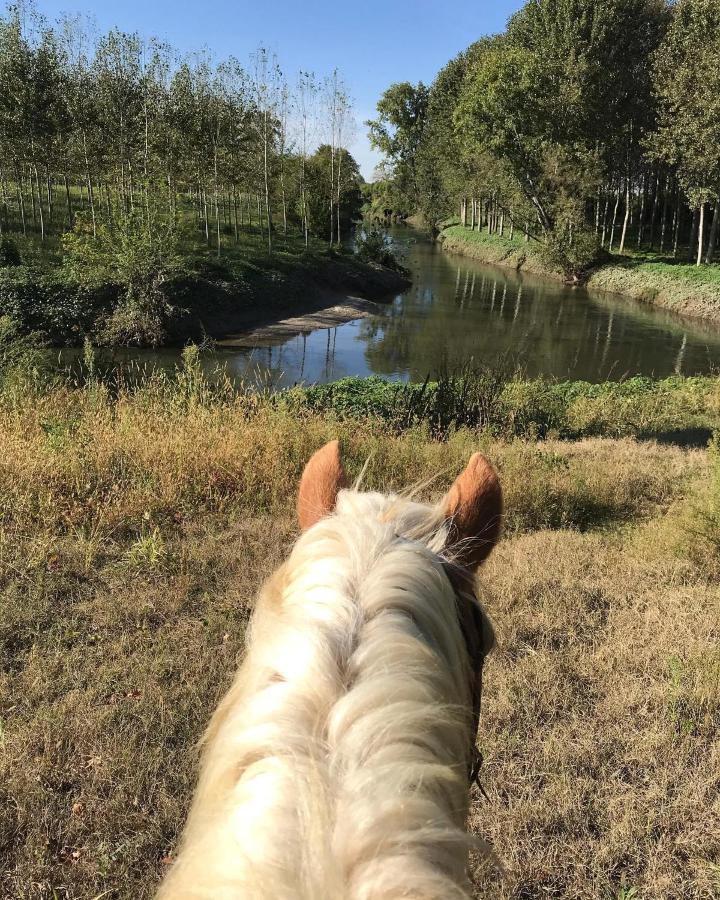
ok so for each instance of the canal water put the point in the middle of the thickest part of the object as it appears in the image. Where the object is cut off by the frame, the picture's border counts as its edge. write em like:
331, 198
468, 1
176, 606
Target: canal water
459, 310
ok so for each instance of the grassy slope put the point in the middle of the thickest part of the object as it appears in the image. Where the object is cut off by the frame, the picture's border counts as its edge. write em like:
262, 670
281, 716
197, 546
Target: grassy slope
661, 281
133, 537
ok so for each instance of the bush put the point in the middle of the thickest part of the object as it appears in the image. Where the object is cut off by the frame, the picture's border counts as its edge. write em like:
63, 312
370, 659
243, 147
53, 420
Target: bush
22, 362
511, 406
60, 310
574, 253
9, 253
371, 245
138, 253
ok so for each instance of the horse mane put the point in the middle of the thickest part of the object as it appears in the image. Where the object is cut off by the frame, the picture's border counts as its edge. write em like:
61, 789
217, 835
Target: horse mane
337, 764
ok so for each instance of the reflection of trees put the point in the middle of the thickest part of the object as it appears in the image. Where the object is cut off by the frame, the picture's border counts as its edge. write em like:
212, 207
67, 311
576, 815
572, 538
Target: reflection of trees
461, 310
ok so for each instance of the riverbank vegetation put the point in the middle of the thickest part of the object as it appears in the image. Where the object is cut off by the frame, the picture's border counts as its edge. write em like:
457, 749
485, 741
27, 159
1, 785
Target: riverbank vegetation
135, 181
589, 127
662, 281
136, 523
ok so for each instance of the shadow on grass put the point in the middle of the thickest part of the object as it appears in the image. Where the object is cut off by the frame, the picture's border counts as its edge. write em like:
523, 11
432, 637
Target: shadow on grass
686, 438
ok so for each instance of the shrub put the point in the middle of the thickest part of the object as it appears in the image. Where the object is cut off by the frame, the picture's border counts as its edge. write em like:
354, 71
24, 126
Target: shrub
372, 245
58, 309
22, 362
9, 253
573, 253
140, 254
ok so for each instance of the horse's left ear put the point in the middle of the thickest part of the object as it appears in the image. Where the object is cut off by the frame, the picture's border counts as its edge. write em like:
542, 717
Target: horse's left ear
473, 507
319, 486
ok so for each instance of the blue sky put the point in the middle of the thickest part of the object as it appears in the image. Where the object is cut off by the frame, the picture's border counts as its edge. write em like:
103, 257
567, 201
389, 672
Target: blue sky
373, 43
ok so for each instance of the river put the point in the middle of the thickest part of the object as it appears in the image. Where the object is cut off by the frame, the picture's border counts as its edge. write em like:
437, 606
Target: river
459, 310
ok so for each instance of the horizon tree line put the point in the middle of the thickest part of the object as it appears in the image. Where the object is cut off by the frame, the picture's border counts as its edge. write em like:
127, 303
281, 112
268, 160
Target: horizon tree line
588, 125
99, 127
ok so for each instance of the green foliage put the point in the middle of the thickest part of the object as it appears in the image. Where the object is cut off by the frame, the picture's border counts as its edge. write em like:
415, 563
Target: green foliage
138, 251
509, 405
574, 253
318, 170
9, 252
50, 305
371, 245
139, 254
398, 133
23, 365
687, 76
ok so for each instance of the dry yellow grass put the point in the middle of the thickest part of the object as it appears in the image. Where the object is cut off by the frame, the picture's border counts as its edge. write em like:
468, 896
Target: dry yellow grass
134, 535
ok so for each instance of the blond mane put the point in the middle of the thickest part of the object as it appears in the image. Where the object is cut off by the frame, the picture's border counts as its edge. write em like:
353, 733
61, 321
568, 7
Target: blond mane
337, 764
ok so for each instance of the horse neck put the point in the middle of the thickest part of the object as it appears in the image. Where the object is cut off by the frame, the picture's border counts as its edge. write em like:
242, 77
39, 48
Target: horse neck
337, 764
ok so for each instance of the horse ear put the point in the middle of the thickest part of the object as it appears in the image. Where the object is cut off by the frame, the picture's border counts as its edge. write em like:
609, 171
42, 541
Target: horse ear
473, 507
322, 479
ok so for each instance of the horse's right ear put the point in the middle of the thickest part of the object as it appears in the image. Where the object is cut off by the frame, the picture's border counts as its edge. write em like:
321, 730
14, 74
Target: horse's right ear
319, 486
473, 508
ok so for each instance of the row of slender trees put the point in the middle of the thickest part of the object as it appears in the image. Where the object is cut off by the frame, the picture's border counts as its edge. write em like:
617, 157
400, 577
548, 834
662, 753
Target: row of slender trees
587, 123
114, 124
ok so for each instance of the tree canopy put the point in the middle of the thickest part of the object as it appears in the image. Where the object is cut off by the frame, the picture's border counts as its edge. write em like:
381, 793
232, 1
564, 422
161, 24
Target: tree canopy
584, 121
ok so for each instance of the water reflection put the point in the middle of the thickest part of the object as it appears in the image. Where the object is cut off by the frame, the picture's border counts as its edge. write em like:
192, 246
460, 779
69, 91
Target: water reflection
458, 310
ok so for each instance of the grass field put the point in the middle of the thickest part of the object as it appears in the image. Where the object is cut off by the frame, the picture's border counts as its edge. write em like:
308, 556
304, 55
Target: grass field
135, 531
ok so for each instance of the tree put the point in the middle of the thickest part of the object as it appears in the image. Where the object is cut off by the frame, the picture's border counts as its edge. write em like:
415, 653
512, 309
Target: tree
687, 80
398, 133
323, 191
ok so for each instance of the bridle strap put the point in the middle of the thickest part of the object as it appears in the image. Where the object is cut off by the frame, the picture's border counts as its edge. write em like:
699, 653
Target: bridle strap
471, 625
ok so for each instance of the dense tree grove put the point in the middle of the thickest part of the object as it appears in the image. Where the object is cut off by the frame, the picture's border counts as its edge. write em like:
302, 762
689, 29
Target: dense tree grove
588, 125
98, 131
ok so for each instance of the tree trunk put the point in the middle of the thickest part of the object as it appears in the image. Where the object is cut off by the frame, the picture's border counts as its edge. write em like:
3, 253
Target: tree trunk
472, 215
235, 214
604, 221
21, 203
676, 223
653, 218
266, 167
712, 243
332, 184
40, 206
701, 235
627, 215
217, 205
48, 188
641, 222
666, 206
614, 218
3, 193
32, 196
693, 236
89, 184
68, 203
339, 166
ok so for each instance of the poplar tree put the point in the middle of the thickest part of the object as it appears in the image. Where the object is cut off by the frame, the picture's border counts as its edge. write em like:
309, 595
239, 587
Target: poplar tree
687, 79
